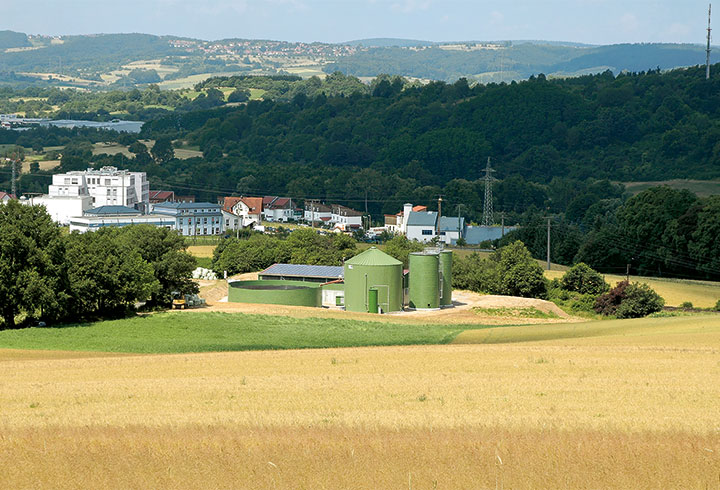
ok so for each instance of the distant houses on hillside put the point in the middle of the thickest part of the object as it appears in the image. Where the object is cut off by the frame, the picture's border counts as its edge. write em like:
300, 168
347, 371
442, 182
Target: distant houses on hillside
96, 198
417, 223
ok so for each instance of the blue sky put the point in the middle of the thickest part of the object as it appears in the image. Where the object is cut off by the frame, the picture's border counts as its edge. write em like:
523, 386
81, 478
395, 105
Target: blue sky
588, 21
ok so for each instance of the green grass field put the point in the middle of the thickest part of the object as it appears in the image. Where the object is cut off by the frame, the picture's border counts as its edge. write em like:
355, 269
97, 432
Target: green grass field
209, 332
177, 332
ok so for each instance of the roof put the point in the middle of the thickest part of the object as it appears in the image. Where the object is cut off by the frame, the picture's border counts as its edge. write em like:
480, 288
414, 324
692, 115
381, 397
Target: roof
229, 203
186, 205
479, 234
416, 209
162, 195
253, 203
112, 211
448, 223
345, 211
318, 207
6, 195
427, 218
278, 203
373, 256
301, 270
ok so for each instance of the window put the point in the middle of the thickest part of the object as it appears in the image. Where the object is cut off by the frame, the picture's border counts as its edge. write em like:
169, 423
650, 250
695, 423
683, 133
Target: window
427, 232
108, 182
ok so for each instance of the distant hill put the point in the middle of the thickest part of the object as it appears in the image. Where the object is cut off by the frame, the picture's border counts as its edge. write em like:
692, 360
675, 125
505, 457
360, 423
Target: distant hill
104, 61
387, 42
11, 39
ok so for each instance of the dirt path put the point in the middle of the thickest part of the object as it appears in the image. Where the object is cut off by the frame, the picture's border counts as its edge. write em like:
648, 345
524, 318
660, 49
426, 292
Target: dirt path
463, 312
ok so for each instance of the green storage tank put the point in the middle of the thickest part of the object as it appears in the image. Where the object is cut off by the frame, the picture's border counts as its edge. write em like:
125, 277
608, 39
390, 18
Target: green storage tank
292, 293
373, 269
424, 281
446, 257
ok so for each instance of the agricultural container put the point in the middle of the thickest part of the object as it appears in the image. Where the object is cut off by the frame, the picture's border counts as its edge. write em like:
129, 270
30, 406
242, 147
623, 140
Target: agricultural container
446, 257
373, 269
424, 283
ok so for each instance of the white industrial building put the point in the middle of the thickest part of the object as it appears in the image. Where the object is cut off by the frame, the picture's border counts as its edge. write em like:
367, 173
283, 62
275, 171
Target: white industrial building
107, 186
117, 216
61, 208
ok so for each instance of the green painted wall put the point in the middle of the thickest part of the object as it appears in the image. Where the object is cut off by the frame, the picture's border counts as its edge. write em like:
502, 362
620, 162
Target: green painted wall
424, 283
446, 258
292, 293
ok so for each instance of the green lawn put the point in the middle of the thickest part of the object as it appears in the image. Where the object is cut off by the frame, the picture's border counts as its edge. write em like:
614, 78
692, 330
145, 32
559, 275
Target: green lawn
205, 332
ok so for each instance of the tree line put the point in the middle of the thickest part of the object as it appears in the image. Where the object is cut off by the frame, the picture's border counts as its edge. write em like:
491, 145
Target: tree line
51, 276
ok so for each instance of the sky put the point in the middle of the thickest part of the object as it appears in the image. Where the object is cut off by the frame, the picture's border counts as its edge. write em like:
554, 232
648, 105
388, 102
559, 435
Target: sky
584, 21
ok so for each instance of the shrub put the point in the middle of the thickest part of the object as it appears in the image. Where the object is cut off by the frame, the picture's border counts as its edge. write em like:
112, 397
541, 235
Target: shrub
717, 305
518, 273
687, 305
582, 279
629, 301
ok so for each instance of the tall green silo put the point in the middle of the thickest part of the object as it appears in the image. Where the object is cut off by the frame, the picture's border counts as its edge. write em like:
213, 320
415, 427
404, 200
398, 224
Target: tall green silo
446, 257
424, 280
373, 269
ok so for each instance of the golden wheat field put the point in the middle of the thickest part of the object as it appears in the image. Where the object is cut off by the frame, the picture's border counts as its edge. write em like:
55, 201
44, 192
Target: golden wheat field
622, 408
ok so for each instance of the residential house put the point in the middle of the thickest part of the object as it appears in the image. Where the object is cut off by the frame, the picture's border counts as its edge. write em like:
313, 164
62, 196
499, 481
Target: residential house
241, 212
346, 219
193, 219
279, 209
5, 197
397, 223
420, 226
451, 229
317, 212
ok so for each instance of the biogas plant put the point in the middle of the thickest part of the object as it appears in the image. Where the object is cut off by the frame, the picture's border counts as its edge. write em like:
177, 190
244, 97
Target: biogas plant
371, 282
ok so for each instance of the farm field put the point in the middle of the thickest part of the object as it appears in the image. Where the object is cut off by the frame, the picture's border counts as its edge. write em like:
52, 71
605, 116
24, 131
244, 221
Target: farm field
634, 406
702, 294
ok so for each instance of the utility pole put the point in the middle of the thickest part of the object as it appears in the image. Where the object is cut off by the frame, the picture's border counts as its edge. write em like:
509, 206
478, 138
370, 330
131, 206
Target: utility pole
13, 178
548, 242
707, 51
437, 224
488, 205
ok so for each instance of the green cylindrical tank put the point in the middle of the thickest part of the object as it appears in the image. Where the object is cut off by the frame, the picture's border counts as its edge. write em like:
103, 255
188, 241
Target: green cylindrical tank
446, 257
373, 269
424, 280
372, 300
293, 293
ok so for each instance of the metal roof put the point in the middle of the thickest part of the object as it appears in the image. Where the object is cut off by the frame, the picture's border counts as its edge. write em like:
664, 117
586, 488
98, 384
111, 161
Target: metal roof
448, 223
112, 211
427, 218
187, 205
479, 234
373, 256
302, 270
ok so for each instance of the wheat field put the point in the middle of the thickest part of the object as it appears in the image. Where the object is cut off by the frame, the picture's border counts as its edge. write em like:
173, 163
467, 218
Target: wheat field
625, 409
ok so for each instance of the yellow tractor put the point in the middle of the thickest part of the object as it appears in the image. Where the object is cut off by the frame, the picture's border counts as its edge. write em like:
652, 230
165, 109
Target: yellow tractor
184, 301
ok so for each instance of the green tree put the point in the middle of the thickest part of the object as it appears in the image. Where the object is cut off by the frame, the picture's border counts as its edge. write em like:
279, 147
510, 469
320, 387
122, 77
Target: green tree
108, 275
141, 153
32, 269
166, 251
162, 151
582, 279
518, 274
400, 248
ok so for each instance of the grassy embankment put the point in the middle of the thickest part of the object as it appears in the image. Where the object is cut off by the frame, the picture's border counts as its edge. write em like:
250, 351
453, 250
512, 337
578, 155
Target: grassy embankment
204, 332
634, 405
